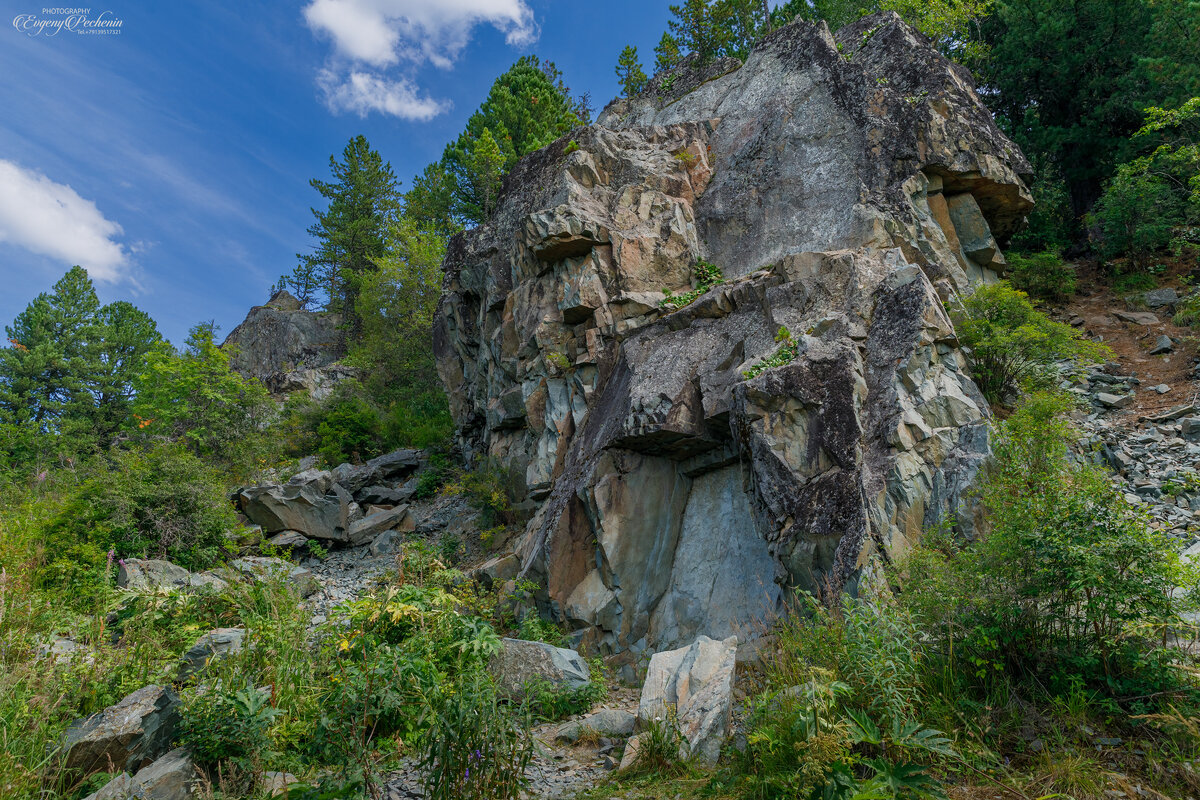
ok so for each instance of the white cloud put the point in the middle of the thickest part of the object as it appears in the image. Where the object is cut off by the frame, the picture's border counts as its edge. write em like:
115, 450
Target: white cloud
51, 219
362, 92
382, 34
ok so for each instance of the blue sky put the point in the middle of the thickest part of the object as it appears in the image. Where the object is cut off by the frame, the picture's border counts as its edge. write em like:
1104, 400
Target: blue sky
173, 159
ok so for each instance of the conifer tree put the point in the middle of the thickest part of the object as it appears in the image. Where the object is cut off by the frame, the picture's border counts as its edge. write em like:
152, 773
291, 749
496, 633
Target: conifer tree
629, 72
666, 53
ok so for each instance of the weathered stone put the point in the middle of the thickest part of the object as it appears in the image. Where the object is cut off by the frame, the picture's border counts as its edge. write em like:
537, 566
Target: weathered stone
390, 466
313, 506
520, 662
1136, 317
497, 570
1114, 400
119, 788
385, 496
278, 338
212, 646
172, 777
139, 574
1189, 426
1162, 344
302, 581
370, 526
672, 496
694, 685
128, 735
1159, 298
277, 783
610, 722
387, 543
294, 540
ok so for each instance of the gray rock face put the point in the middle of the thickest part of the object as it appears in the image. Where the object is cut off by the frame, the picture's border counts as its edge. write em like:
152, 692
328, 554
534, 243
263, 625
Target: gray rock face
520, 662
278, 340
695, 686
370, 526
128, 735
610, 722
139, 574
212, 646
673, 496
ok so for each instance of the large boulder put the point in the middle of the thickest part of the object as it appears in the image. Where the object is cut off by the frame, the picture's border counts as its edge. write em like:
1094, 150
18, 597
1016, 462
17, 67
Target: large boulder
693, 688
689, 467
280, 339
142, 574
172, 777
310, 503
128, 735
369, 527
522, 662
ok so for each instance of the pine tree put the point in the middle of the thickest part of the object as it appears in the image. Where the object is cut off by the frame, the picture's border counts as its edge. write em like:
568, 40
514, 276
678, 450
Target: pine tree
695, 30
629, 72
666, 53
527, 108
352, 231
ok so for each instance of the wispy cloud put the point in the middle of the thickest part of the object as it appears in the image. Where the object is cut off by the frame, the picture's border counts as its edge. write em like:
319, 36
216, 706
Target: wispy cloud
377, 43
51, 219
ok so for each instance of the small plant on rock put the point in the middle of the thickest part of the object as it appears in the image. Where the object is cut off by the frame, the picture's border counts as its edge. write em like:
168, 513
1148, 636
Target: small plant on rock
707, 275
786, 354
1042, 275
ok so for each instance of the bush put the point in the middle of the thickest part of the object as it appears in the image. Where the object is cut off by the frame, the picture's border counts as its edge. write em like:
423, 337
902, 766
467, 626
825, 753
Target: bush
224, 725
158, 503
478, 749
349, 428
1042, 275
1051, 223
1011, 345
1070, 585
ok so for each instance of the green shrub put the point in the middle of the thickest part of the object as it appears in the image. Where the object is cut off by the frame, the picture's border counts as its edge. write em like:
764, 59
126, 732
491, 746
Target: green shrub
349, 430
662, 748
1070, 585
1042, 275
551, 702
478, 749
706, 275
785, 354
158, 503
1153, 202
1051, 222
1011, 345
227, 725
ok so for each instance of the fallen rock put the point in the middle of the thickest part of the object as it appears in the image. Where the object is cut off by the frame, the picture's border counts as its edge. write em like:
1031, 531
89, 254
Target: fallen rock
140, 574
212, 646
1162, 344
612, 723
316, 508
119, 788
497, 570
1189, 426
128, 735
1159, 298
370, 526
386, 496
1136, 317
387, 543
695, 684
394, 465
293, 540
172, 777
301, 579
1114, 400
519, 662
277, 783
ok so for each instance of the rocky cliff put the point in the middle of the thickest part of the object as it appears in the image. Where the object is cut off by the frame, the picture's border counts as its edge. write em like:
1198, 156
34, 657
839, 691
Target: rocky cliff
845, 187
287, 348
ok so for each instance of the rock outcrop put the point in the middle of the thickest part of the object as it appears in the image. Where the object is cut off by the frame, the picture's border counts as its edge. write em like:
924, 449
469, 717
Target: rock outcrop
287, 348
520, 662
128, 735
846, 188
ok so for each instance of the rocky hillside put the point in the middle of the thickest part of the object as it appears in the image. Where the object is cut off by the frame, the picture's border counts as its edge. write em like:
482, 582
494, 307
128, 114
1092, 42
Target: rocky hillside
706, 335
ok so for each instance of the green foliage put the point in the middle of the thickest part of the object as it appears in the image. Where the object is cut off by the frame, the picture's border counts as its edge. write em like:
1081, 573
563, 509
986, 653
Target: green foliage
158, 503
785, 354
952, 26
527, 108
705, 275
477, 748
1122, 56
629, 72
486, 489
1070, 585
66, 376
550, 702
349, 428
1051, 223
1011, 345
666, 55
1154, 200
1042, 275
226, 724
194, 398
662, 747
351, 233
